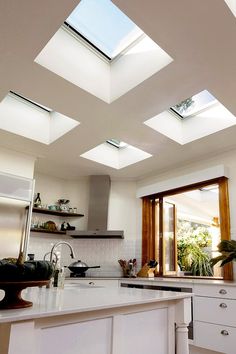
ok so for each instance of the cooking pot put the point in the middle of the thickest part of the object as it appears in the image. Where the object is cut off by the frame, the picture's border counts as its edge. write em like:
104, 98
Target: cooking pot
80, 267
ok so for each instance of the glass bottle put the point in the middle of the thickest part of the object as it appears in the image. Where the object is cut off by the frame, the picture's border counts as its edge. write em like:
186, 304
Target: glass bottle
37, 201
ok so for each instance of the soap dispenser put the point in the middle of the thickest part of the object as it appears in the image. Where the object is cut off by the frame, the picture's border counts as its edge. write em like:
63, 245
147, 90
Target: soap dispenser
59, 277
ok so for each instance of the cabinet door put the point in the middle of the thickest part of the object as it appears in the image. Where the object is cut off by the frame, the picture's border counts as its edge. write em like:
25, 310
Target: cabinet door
213, 310
81, 338
215, 337
154, 324
16, 187
222, 291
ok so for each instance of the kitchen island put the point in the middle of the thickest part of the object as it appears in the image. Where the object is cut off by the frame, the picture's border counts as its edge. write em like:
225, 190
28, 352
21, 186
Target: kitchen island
97, 320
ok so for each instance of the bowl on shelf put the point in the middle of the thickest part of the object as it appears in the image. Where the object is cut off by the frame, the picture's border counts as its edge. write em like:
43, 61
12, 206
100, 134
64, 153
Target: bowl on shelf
53, 207
63, 204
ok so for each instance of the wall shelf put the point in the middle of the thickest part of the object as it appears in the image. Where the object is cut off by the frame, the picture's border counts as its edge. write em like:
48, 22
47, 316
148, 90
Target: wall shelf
56, 212
48, 231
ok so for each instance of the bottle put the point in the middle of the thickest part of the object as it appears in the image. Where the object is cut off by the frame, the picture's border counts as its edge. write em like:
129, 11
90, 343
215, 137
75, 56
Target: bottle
30, 256
37, 201
59, 278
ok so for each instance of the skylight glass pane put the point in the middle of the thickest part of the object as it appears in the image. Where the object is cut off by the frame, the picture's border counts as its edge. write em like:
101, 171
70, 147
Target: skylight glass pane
194, 104
104, 25
117, 143
28, 101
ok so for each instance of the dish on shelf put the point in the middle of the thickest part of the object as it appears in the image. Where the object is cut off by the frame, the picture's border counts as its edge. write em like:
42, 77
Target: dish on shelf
56, 212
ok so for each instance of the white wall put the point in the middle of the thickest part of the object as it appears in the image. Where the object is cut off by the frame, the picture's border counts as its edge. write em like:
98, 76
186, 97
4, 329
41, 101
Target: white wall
124, 209
16, 163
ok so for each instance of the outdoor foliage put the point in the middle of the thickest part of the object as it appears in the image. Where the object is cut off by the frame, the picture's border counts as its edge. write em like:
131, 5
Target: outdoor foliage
228, 252
191, 239
184, 105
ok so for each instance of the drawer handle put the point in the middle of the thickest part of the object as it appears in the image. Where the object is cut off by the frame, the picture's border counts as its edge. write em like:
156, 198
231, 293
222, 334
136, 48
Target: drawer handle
91, 283
224, 332
223, 305
223, 291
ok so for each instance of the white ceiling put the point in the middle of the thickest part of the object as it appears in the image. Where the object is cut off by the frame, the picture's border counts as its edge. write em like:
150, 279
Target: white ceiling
198, 35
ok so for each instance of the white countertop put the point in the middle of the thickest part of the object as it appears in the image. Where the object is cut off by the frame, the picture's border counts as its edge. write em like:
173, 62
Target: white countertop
76, 299
159, 280
177, 281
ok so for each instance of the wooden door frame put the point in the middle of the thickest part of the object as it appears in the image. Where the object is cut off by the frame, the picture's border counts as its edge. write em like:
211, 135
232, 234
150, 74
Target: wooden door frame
224, 214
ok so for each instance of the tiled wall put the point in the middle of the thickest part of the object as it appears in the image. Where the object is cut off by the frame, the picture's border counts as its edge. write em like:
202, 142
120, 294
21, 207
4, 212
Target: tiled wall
93, 252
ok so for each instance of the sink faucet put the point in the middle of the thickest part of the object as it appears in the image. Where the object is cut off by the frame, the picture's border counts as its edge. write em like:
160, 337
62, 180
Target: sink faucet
72, 254
53, 255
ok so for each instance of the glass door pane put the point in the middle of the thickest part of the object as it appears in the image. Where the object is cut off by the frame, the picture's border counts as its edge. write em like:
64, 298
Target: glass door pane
169, 239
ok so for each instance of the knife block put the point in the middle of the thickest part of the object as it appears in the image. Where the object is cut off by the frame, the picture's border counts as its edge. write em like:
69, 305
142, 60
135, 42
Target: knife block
146, 272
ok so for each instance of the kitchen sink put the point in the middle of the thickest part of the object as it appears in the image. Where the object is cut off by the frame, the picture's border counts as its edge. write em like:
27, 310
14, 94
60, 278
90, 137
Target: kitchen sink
81, 286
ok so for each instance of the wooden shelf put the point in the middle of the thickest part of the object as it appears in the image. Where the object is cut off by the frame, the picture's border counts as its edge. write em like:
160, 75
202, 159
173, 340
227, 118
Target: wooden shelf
56, 212
48, 231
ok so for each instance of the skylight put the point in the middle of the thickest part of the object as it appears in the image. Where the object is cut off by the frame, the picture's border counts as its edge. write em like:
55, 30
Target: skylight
104, 26
192, 119
116, 154
117, 143
27, 100
30, 119
193, 105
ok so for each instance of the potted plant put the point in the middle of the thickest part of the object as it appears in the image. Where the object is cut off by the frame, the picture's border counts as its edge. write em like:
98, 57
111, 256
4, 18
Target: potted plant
201, 263
193, 258
227, 248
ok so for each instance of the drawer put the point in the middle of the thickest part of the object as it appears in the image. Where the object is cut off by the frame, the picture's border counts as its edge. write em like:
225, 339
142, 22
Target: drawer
215, 337
222, 291
213, 310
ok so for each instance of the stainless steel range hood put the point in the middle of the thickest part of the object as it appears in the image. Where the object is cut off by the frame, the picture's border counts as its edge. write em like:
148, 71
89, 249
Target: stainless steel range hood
98, 211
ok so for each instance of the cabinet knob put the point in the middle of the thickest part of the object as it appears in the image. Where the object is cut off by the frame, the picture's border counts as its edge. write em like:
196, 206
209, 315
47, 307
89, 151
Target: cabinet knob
91, 283
223, 305
223, 291
224, 332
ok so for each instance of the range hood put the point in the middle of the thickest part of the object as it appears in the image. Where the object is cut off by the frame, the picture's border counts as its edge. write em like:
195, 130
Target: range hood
98, 211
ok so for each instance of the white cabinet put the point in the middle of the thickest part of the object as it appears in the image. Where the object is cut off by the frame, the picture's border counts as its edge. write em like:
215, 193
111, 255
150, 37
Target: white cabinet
221, 291
131, 333
219, 311
16, 187
114, 321
214, 317
215, 337
214, 309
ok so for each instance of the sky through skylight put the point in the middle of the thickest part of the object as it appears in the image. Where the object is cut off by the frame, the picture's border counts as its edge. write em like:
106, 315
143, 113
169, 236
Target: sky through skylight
104, 25
194, 104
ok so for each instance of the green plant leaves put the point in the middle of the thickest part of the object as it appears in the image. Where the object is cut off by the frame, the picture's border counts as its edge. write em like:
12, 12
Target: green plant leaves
228, 250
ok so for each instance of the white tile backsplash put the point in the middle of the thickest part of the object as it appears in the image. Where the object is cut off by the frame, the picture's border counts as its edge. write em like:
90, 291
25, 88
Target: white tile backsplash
103, 252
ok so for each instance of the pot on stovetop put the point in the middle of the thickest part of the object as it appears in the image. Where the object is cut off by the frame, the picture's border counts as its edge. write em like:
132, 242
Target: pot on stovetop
79, 267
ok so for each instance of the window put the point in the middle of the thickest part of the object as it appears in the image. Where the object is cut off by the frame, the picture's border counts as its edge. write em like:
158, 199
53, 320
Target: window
182, 227
103, 26
193, 105
117, 143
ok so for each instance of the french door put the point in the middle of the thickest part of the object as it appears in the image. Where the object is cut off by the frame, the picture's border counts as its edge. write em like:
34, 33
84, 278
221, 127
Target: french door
159, 235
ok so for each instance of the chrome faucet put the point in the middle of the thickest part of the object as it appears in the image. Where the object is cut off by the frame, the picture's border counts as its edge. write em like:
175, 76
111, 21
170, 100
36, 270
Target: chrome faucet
53, 255
72, 254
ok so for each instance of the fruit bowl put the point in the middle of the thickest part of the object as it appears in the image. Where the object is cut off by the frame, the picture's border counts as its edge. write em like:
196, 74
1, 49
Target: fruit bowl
15, 277
12, 298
